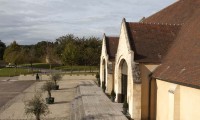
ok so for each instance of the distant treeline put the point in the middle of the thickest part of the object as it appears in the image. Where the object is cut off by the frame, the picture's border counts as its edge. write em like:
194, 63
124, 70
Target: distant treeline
67, 50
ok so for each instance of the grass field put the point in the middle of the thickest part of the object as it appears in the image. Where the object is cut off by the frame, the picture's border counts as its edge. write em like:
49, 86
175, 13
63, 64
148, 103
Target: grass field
6, 72
77, 68
64, 68
41, 65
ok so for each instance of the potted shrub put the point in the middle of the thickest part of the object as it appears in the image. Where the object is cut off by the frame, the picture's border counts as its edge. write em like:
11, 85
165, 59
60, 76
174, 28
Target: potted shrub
36, 107
48, 87
56, 78
125, 107
37, 77
103, 87
98, 78
113, 95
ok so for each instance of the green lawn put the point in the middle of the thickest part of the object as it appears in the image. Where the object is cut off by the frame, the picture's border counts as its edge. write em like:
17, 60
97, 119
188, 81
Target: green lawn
6, 72
41, 65
80, 73
77, 68
64, 68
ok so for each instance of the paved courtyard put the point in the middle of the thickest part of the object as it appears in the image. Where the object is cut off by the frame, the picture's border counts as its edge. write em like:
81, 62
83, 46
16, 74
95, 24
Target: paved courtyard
77, 99
10, 89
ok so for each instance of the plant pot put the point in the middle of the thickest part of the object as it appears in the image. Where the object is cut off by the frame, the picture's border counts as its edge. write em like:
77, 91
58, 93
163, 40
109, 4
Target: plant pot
50, 100
104, 90
56, 87
112, 99
98, 82
125, 110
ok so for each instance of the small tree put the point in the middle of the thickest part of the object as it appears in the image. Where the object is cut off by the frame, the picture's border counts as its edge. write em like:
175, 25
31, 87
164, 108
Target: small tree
13, 54
125, 105
98, 78
56, 78
2, 49
48, 87
36, 106
70, 54
113, 95
103, 86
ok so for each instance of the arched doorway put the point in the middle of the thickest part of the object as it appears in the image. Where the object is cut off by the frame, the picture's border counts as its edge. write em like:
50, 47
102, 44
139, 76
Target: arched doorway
123, 81
103, 75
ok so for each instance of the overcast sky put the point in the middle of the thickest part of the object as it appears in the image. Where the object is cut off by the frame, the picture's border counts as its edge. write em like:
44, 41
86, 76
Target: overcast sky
31, 21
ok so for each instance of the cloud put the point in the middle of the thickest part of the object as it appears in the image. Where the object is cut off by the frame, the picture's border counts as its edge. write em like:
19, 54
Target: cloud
30, 21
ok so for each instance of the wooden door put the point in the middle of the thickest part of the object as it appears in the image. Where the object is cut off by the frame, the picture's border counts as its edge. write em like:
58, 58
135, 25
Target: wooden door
124, 87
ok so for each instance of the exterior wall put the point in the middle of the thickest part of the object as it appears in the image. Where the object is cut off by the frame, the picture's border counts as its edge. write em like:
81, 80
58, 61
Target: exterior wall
145, 72
162, 100
133, 90
177, 102
110, 78
189, 103
104, 64
109, 83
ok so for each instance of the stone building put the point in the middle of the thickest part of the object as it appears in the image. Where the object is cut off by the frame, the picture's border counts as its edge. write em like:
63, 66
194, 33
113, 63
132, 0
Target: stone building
177, 79
109, 48
142, 46
157, 64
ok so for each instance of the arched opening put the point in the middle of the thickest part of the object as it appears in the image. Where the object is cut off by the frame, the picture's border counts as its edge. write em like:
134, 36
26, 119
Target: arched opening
103, 75
123, 81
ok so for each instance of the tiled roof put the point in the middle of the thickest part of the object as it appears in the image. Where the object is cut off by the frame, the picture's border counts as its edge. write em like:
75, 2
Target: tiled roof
182, 63
177, 13
150, 42
111, 46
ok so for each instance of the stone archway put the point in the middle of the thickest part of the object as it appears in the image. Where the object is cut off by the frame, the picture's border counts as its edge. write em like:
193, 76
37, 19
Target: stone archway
122, 81
103, 74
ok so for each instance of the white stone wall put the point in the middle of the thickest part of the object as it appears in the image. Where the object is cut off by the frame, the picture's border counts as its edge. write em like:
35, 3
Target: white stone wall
177, 102
124, 52
104, 63
109, 83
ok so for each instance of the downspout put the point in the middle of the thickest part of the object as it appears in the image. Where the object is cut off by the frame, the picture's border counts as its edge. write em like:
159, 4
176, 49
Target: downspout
152, 99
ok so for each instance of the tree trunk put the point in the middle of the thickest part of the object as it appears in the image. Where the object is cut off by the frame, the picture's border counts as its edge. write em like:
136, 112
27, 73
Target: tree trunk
71, 68
49, 93
15, 68
31, 66
85, 67
50, 66
55, 81
37, 117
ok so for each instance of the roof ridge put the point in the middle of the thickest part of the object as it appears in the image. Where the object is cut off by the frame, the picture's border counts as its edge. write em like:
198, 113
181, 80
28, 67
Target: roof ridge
155, 23
112, 36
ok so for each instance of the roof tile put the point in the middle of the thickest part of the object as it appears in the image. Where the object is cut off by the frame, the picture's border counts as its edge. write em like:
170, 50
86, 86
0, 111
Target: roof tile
149, 41
182, 63
111, 46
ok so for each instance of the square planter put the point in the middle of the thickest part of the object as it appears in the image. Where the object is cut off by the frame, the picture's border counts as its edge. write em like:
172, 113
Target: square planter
55, 87
50, 100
